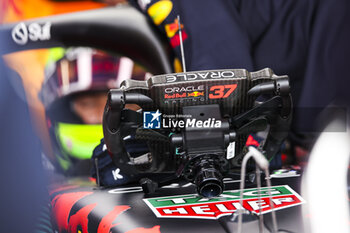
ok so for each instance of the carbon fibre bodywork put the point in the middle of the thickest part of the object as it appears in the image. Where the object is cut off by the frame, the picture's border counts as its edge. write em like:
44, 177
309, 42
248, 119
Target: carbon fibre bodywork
86, 208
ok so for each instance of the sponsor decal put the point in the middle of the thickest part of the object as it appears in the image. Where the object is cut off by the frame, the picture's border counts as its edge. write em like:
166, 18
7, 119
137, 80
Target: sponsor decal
175, 40
20, 34
195, 94
160, 10
172, 28
184, 92
116, 174
170, 90
199, 76
34, 32
175, 96
215, 92
221, 91
194, 206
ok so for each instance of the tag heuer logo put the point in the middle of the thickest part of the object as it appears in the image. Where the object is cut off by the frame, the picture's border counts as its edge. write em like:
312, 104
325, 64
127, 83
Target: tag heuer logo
194, 206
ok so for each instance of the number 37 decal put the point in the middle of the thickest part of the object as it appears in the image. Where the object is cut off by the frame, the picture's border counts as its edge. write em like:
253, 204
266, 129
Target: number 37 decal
221, 91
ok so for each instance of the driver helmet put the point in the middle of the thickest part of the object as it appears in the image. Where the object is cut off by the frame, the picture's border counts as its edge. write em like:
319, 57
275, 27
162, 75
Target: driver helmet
74, 95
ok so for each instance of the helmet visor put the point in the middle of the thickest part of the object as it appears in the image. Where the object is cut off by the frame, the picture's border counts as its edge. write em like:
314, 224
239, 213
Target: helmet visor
79, 140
